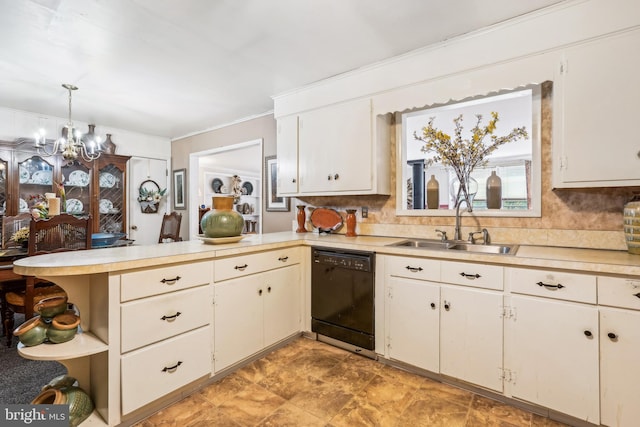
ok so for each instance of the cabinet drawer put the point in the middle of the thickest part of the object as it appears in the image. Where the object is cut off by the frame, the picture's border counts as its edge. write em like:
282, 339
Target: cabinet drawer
153, 319
413, 268
155, 281
244, 265
154, 371
476, 275
619, 292
552, 284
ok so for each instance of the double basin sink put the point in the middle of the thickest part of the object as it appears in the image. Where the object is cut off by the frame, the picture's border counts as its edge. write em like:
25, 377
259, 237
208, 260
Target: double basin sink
450, 245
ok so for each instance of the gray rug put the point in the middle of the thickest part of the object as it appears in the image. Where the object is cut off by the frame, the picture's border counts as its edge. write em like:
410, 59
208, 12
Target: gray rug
22, 379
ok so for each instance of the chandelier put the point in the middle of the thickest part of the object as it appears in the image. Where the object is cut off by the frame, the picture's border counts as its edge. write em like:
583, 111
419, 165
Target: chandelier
72, 144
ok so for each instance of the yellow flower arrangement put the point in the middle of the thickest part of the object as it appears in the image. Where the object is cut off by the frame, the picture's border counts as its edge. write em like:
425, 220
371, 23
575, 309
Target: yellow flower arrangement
463, 155
21, 235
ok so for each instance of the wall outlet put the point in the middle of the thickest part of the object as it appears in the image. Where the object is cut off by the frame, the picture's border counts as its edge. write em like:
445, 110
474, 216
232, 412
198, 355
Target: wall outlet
365, 212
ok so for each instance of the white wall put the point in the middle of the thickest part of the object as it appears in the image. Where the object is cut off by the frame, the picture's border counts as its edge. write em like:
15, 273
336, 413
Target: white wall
23, 124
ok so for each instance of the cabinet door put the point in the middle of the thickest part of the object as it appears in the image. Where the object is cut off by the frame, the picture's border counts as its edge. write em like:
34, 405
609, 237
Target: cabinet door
414, 322
619, 375
35, 178
110, 205
238, 315
335, 148
597, 95
471, 335
77, 179
5, 182
281, 290
554, 355
287, 149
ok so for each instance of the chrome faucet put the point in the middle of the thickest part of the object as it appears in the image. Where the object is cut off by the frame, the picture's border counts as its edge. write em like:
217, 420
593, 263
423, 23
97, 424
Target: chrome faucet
456, 231
485, 236
443, 235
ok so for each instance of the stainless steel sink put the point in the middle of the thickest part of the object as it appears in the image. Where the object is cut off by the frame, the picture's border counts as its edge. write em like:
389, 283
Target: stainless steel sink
422, 243
456, 246
486, 249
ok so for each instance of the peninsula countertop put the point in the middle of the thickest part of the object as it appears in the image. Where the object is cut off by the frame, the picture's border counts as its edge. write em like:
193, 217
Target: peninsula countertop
132, 257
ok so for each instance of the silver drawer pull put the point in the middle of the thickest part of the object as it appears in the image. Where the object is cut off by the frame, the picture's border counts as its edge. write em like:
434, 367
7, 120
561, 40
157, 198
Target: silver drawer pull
283, 258
171, 318
171, 281
172, 369
470, 276
241, 267
550, 287
413, 269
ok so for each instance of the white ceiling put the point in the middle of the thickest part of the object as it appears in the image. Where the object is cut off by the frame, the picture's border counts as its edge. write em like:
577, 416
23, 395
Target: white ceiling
175, 67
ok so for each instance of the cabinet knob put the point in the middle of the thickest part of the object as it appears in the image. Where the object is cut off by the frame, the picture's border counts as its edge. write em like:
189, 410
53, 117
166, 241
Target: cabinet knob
612, 336
447, 306
134, 227
260, 292
433, 305
328, 177
269, 289
293, 180
336, 176
588, 334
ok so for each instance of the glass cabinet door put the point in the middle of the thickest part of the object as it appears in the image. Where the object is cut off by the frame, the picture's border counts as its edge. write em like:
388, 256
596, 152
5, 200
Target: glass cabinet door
111, 206
35, 178
4, 187
77, 187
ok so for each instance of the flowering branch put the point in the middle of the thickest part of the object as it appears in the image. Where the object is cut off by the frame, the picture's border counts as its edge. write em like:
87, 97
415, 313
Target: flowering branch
463, 155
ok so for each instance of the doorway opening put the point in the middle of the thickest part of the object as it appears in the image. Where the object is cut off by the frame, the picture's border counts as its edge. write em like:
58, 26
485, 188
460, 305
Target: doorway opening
211, 172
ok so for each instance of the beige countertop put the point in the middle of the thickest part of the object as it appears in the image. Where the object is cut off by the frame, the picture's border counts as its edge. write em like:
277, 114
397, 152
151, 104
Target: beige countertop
132, 257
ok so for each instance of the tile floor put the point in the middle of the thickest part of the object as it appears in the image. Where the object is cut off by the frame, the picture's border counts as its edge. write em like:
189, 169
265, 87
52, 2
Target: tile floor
309, 383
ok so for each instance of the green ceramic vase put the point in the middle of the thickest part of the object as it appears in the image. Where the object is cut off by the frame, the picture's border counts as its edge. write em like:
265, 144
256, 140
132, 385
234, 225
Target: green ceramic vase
222, 221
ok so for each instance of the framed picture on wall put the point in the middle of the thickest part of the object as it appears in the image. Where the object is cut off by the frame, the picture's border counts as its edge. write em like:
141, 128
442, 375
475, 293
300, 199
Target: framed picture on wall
180, 189
274, 203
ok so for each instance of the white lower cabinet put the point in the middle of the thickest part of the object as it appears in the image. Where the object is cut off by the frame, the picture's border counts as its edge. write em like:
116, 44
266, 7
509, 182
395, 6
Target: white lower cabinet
471, 335
254, 311
159, 369
619, 348
619, 373
414, 322
554, 355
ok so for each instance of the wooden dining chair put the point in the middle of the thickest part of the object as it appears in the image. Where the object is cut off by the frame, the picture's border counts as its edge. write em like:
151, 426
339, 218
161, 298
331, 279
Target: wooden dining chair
60, 233
170, 229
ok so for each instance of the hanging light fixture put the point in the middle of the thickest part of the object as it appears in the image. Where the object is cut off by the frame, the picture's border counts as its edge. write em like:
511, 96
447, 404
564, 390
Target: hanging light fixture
72, 144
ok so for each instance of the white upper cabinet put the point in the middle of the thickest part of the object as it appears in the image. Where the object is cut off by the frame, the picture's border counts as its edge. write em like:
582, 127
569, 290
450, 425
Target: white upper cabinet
595, 138
287, 148
337, 150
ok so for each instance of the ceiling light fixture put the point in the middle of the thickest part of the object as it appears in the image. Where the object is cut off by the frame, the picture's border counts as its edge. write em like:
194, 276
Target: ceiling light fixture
72, 144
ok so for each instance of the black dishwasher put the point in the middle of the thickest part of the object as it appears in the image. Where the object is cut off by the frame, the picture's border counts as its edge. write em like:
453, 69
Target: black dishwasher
342, 296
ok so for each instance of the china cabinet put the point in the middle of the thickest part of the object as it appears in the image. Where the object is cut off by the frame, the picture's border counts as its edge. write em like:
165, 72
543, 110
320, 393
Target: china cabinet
97, 188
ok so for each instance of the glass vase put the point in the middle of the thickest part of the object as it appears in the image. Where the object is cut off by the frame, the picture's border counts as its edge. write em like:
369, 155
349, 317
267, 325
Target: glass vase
467, 192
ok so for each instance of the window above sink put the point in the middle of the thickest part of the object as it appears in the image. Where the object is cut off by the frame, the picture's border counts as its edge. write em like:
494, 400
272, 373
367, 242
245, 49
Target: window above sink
518, 164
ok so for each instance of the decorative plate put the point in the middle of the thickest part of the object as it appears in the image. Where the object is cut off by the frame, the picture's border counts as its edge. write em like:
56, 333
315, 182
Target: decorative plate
216, 185
24, 175
107, 180
24, 207
326, 220
79, 178
42, 177
106, 206
247, 188
74, 206
219, 240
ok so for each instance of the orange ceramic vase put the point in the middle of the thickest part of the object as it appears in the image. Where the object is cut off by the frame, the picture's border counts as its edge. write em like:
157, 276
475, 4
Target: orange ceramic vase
351, 223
